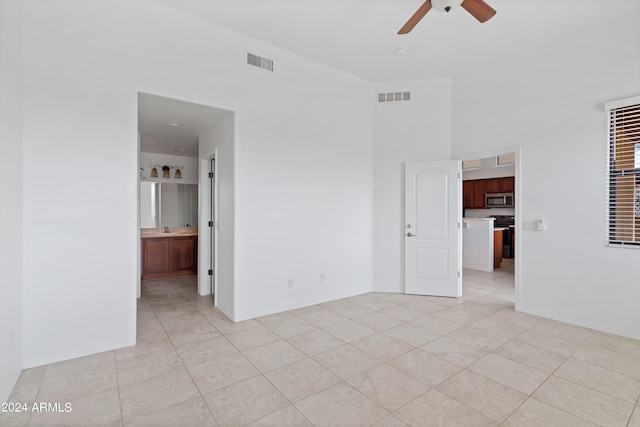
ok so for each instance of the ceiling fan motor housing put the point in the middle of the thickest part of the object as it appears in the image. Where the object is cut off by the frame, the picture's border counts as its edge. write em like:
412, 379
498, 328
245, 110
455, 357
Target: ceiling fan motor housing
445, 5
478, 8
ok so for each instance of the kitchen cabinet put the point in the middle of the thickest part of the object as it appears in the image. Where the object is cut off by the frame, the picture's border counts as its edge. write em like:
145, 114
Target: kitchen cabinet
512, 232
477, 244
506, 185
497, 248
499, 185
479, 190
492, 185
473, 191
467, 194
169, 256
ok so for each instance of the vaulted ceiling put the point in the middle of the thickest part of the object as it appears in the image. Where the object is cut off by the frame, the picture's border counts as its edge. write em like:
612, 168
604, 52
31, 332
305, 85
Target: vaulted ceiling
360, 36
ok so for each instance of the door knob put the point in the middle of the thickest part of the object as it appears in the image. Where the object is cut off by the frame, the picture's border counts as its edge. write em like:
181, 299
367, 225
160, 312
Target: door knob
411, 235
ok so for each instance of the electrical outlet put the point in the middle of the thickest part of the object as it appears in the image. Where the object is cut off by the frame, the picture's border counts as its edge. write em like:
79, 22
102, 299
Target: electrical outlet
290, 283
535, 225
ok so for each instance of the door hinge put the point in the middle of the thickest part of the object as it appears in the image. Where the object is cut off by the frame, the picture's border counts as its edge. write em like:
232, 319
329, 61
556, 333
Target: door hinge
210, 273
210, 174
210, 223
458, 273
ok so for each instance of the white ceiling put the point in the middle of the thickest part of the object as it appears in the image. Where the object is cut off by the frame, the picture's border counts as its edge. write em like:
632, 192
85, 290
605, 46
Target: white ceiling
156, 136
360, 36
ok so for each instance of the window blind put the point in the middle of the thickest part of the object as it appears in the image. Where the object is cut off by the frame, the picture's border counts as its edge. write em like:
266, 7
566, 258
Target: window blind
624, 173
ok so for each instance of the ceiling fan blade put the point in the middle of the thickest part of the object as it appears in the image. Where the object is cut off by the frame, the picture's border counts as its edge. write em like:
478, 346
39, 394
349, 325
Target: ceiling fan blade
479, 9
413, 21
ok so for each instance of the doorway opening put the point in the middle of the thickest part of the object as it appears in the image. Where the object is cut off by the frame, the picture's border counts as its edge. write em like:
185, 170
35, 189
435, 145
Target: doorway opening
492, 218
174, 209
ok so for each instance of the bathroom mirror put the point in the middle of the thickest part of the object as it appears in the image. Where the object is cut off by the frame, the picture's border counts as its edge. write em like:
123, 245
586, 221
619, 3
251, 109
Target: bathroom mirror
168, 204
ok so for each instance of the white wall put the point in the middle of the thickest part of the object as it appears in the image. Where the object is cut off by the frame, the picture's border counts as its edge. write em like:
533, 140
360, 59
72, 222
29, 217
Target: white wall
304, 191
11, 223
303, 167
549, 100
406, 131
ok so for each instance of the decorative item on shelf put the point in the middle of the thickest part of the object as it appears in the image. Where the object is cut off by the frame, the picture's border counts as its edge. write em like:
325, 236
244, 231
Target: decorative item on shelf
177, 174
154, 171
165, 172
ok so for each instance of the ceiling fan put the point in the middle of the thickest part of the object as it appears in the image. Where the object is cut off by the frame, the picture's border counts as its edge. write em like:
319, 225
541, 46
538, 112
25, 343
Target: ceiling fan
478, 8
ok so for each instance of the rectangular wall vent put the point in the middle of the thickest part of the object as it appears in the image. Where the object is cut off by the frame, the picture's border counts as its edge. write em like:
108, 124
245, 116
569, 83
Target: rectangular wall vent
394, 96
260, 62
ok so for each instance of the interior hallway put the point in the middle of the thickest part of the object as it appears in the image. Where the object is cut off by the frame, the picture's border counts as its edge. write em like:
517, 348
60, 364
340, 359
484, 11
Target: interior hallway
374, 359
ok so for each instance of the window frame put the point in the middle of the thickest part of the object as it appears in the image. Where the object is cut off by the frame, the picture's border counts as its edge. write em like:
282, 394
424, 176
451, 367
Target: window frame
613, 173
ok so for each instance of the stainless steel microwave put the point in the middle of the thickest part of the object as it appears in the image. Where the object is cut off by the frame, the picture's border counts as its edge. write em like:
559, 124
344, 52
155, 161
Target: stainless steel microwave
498, 200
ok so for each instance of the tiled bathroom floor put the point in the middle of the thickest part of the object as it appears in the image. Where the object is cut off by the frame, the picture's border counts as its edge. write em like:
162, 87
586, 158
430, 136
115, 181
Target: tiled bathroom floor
375, 359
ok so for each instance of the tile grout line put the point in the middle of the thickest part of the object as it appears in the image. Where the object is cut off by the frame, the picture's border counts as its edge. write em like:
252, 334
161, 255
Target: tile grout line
490, 379
552, 374
115, 363
636, 409
183, 365
195, 384
377, 301
260, 373
342, 381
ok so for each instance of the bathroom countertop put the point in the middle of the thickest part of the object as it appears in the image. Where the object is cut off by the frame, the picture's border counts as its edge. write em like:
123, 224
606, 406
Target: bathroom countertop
147, 233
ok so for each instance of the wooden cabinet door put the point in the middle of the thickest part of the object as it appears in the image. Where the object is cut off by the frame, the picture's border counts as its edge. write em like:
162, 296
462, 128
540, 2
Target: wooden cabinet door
184, 253
506, 185
497, 248
467, 194
169, 257
479, 189
155, 256
492, 186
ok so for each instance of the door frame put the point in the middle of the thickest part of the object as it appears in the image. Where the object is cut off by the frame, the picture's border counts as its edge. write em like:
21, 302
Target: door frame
205, 245
518, 210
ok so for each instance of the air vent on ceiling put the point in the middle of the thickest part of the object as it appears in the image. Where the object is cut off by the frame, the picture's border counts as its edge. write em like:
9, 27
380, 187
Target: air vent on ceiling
394, 96
260, 62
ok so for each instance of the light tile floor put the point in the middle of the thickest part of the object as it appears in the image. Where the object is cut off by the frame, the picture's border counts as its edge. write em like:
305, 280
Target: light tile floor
375, 359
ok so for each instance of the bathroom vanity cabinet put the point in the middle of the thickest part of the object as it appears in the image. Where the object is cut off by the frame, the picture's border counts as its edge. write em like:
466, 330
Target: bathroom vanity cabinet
169, 256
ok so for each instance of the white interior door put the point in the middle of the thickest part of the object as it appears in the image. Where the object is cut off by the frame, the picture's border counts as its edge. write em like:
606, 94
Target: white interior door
212, 229
433, 234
